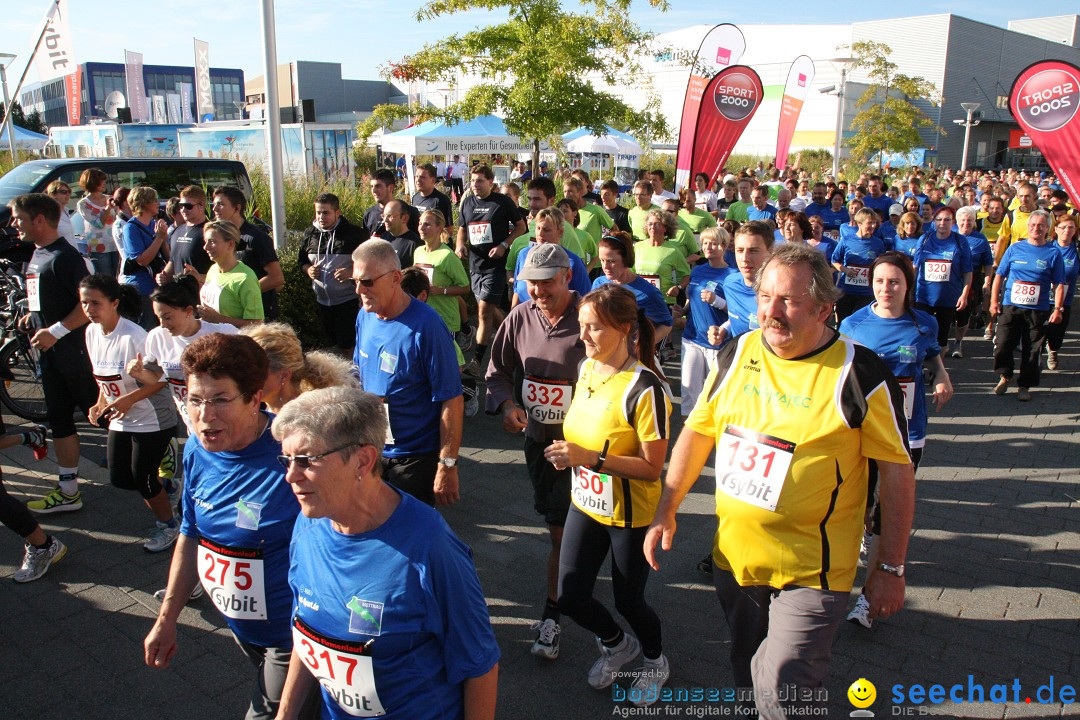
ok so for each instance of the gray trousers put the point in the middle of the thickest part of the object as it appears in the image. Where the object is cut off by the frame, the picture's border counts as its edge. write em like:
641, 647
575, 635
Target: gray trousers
781, 641
272, 664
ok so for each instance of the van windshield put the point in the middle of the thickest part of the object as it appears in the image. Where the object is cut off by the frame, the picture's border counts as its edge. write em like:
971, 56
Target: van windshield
21, 180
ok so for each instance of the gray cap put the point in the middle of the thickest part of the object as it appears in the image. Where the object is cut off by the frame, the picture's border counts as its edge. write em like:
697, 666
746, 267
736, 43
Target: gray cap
544, 262
896, 209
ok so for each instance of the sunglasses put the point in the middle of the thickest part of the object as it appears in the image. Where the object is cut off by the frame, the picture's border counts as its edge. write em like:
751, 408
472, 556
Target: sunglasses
304, 461
370, 282
187, 205
62, 191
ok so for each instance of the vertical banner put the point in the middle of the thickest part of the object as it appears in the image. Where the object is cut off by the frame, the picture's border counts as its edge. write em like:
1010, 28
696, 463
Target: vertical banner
73, 90
159, 110
55, 55
730, 100
798, 84
722, 47
136, 93
185, 103
174, 108
202, 82
1044, 101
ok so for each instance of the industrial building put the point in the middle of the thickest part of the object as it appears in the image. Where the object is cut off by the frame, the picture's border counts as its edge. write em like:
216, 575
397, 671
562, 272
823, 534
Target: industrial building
316, 92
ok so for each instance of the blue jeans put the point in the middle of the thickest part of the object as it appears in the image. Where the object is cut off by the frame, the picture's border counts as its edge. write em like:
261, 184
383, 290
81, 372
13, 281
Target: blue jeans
106, 263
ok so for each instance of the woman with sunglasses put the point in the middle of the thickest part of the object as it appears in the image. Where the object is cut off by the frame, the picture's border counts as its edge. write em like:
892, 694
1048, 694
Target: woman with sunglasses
388, 612
238, 517
60, 191
141, 418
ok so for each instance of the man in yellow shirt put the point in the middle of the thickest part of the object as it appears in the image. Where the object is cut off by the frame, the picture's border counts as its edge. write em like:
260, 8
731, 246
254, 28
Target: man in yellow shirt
794, 412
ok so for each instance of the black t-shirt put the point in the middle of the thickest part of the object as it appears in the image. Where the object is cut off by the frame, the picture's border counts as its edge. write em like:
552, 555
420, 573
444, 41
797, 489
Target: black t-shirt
621, 217
404, 245
52, 278
593, 198
435, 201
256, 250
186, 248
374, 224
487, 223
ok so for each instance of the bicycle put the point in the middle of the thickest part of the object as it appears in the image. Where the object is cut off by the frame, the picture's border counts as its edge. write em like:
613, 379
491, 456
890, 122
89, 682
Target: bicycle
21, 390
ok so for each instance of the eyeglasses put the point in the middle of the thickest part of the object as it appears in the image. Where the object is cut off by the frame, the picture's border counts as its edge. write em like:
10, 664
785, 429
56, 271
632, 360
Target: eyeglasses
198, 403
187, 205
62, 191
370, 282
304, 461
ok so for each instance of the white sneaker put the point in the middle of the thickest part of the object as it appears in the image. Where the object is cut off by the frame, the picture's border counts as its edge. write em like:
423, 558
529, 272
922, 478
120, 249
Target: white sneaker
602, 673
646, 688
195, 594
36, 562
547, 639
472, 406
162, 538
860, 614
1051, 360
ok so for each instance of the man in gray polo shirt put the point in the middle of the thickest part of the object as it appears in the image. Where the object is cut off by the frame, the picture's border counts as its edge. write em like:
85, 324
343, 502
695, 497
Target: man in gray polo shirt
539, 342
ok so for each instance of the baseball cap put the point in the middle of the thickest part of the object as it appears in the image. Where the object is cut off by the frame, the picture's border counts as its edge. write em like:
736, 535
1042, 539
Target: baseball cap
896, 209
544, 262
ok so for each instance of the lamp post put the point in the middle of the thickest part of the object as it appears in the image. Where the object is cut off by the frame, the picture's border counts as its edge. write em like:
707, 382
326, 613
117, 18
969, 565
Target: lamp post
5, 60
838, 91
969, 108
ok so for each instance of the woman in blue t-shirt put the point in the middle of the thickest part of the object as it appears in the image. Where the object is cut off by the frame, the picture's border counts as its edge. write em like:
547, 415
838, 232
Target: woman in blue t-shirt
238, 517
835, 215
942, 271
144, 238
706, 306
1065, 232
903, 338
387, 610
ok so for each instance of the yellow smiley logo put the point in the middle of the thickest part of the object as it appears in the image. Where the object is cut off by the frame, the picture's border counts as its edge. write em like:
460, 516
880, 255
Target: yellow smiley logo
862, 693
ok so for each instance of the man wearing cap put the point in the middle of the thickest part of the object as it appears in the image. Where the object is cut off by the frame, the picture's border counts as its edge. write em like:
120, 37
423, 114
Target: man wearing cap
538, 343
887, 230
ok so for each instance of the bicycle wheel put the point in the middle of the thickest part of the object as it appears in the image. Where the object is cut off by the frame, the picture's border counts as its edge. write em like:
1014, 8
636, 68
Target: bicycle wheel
22, 392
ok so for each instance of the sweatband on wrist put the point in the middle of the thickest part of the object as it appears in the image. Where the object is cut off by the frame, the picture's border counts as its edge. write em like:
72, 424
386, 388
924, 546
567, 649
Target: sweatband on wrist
57, 330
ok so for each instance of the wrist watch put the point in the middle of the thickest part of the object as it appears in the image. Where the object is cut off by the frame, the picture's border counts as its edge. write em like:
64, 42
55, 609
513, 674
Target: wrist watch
448, 462
897, 570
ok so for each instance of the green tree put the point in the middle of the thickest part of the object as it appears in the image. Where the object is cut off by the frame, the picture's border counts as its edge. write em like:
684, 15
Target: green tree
534, 69
32, 122
888, 120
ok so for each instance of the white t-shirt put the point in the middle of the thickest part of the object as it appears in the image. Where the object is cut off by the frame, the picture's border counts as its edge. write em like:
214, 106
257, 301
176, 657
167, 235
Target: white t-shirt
164, 349
707, 198
109, 356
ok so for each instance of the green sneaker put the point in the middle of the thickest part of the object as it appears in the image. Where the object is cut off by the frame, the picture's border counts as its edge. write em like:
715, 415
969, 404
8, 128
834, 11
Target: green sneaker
167, 467
56, 501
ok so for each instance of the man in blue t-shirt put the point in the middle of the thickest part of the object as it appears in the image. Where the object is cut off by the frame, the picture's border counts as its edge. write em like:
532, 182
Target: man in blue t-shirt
819, 202
405, 355
760, 209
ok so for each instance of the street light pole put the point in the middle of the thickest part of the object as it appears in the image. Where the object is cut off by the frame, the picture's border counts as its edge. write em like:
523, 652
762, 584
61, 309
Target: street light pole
843, 63
969, 108
5, 60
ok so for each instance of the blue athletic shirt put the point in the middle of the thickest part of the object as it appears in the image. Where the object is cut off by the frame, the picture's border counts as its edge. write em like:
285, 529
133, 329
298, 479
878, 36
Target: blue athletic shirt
741, 305
410, 362
769, 213
579, 275
702, 314
648, 297
833, 219
982, 255
825, 247
905, 245
903, 343
1071, 264
849, 231
815, 209
939, 269
1029, 270
406, 597
240, 510
857, 252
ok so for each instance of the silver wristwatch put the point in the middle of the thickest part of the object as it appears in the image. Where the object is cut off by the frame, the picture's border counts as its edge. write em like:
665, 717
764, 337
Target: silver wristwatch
448, 462
897, 570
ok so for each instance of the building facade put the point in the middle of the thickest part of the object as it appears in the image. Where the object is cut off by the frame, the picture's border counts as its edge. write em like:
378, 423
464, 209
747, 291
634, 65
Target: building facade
99, 80
331, 97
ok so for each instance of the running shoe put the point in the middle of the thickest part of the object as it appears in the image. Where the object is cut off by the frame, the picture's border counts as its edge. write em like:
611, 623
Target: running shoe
162, 538
36, 562
465, 338
56, 501
472, 406
653, 676
957, 353
1051, 364
1001, 386
36, 440
602, 673
167, 466
1023, 395
860, 614
989, 334
547, 639
196, 593
704, 565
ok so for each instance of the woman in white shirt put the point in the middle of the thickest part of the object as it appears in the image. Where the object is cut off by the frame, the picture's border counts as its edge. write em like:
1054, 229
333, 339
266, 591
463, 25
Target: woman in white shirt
141, 417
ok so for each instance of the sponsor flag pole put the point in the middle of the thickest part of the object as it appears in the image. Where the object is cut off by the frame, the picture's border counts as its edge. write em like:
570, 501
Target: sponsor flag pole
54, 6
1044, 100
729, 101
800, 76
273, 124
721, 47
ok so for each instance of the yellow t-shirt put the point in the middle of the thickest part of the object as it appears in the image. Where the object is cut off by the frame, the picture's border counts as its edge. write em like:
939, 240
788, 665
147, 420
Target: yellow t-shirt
793, 438
629, 409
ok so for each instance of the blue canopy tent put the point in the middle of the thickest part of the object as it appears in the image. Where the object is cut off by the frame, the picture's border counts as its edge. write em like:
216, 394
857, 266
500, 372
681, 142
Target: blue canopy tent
24, 139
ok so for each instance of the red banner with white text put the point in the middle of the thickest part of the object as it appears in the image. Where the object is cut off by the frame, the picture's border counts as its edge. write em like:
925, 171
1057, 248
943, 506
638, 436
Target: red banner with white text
800, 76
73, 89
729, 101
1044, 100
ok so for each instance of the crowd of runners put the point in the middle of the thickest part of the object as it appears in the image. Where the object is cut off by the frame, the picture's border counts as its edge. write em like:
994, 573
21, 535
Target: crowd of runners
812, 321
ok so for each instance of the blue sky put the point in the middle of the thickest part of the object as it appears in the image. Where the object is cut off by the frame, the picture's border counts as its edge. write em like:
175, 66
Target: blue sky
364, 34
